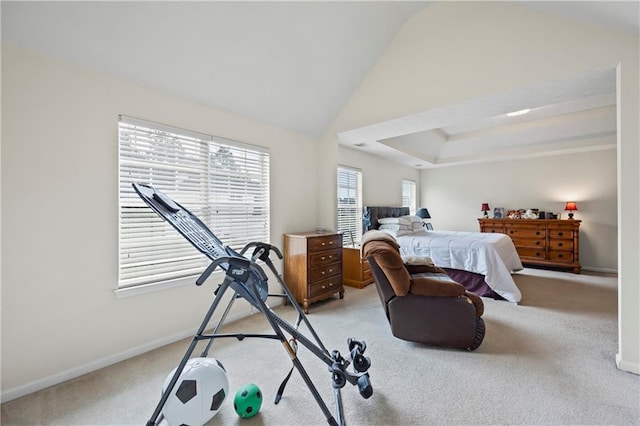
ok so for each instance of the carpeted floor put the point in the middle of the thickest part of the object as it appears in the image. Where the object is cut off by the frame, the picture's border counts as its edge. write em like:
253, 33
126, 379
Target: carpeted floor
546, 361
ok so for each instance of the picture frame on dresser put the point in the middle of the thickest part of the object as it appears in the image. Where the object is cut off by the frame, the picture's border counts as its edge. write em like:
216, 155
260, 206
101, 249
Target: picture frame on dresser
498, 213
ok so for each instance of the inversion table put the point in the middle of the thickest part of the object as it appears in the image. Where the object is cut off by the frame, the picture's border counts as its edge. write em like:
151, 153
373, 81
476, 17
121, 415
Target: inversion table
248, 280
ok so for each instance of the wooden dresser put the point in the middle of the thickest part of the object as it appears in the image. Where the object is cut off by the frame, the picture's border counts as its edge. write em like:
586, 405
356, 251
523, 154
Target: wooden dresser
355, 270
313, 266
541, 242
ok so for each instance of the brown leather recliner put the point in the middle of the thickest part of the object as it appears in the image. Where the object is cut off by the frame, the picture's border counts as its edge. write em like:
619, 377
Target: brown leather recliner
426, 310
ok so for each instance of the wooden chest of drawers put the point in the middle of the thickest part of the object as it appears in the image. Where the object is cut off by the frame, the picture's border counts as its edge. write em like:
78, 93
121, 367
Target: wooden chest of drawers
355, 270
313, 266
541, 242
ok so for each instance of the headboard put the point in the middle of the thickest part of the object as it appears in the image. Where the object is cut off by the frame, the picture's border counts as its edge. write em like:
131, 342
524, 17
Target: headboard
371, 214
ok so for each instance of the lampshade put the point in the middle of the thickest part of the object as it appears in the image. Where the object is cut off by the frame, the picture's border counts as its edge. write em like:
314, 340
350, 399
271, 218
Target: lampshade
570, 206
423, 213
485, 207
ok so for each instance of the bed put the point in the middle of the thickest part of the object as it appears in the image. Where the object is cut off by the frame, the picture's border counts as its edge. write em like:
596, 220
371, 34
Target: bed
482, 262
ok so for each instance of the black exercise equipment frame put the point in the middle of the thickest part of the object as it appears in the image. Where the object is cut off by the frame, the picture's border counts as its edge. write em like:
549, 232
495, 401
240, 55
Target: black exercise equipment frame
248, 281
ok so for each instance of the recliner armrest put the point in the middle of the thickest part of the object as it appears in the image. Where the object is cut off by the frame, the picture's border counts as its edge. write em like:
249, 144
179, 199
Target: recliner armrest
435, 287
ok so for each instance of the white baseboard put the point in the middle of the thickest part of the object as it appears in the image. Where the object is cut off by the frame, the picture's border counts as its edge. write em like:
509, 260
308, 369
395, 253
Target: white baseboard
602, 270
37, 385
631, 367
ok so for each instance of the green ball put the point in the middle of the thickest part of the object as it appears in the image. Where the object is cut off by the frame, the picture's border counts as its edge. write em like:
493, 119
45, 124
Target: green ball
247, 401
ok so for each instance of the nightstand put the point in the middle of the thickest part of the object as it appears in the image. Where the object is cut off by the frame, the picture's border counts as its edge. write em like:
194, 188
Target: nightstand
355, 270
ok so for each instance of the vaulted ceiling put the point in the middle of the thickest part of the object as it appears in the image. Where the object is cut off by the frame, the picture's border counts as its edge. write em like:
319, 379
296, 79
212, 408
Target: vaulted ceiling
296, 64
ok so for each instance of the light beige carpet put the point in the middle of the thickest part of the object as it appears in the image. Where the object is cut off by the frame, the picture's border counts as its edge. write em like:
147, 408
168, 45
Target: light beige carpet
547, 361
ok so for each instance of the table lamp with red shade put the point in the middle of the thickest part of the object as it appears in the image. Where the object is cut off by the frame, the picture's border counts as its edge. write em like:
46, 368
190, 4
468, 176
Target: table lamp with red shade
571, 206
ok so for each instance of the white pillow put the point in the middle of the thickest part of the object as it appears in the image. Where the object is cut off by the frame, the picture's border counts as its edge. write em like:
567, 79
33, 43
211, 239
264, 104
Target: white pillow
417, 226
413, 218
397, 227
402, 220
392, 221
419, 230
397, 233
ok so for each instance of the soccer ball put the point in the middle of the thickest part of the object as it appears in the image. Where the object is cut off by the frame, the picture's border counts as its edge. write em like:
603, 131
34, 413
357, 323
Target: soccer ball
198, 394
247, 401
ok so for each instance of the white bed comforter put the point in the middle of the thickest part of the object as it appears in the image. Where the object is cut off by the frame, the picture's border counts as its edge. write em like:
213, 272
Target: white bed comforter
492, 255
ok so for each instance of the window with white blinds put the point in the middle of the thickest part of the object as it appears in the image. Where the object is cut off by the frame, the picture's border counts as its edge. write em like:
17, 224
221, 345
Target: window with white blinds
350, 205
409, 195
223, 182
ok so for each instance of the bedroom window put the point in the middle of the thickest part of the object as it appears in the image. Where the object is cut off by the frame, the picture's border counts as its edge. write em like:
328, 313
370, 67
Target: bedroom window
350, 205
223, 182
409, 195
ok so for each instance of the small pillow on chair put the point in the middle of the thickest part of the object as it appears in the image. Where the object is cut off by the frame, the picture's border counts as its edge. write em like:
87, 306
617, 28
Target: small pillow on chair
417, 260
435, 287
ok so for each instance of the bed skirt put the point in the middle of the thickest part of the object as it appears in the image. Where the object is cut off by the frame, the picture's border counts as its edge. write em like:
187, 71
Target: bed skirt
473, 282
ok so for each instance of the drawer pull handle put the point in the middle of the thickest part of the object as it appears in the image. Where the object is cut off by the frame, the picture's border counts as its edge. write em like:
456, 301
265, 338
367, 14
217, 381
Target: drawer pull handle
323, 243
511, 232
560, 234
322, 273
493, 230
537, 243
538, 233
322, 258
560, 245
331, 257
537, 253
324, 286
560, 255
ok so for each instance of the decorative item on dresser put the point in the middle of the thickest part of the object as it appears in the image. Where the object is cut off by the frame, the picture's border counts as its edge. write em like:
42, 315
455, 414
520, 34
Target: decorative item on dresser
313, 266
355, 270
484, 209
571, 206
541, 242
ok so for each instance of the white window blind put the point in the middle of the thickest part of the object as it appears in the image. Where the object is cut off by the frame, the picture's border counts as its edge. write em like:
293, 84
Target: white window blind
224, 183
409, 195
350, 205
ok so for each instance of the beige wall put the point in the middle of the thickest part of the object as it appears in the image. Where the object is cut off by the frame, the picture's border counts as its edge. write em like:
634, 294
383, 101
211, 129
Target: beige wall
60, 317
456, 51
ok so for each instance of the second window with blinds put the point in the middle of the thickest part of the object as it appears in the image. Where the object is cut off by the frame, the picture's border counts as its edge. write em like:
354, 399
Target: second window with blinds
350, 205
409, 195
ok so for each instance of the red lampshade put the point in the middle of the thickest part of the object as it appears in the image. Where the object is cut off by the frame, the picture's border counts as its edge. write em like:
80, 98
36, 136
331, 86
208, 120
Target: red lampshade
570, 206
485, 207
